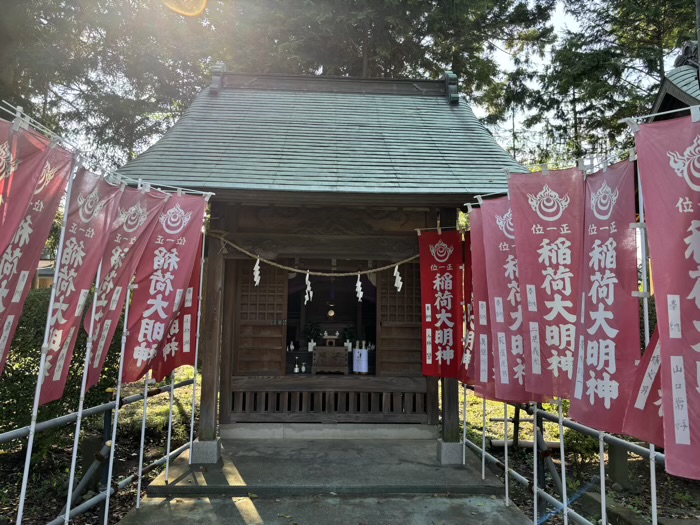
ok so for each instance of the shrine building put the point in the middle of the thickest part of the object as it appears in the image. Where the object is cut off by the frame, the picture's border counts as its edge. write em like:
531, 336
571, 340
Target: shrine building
332, 175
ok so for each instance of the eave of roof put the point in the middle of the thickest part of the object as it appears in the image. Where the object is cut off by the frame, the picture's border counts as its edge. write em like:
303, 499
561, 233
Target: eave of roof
681, 83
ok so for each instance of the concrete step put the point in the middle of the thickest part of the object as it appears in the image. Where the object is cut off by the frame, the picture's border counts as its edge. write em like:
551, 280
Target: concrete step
279, 468
326, 510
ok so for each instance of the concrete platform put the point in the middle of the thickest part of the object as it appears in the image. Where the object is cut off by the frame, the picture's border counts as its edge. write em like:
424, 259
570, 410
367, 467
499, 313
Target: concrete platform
326, 510
284, 468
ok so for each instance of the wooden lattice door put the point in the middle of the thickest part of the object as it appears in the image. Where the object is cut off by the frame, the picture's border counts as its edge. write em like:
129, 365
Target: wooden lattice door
260, 331
399, 323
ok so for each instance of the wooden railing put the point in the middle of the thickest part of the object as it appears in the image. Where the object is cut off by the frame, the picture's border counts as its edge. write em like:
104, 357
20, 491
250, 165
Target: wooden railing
339, 399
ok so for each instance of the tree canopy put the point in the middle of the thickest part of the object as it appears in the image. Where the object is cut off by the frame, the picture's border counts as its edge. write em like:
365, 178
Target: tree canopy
609, 69
117, 73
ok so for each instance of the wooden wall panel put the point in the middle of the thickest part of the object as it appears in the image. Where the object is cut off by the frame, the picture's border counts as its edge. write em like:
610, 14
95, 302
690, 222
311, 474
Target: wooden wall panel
260, 321
399, 323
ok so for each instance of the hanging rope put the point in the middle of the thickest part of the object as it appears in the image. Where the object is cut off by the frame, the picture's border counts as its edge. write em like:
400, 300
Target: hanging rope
222, 237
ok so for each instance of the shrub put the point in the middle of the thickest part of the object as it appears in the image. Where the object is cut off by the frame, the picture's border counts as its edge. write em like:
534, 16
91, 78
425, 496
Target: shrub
18, 383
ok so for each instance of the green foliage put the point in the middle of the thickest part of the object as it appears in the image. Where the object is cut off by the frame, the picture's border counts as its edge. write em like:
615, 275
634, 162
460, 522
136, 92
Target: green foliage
19, 378
607, 70
119, 72
584, 449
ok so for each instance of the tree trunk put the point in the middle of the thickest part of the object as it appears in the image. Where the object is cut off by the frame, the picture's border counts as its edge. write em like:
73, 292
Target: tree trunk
365, 50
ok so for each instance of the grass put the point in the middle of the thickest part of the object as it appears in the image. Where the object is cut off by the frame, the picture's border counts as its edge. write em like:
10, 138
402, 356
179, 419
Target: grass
130, 416
677, 497
495, 429
48, 479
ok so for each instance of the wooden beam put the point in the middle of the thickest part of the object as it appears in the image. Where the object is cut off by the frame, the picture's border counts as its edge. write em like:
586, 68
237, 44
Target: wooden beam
325, 417
330, 220
328, 383
274, 245
357, 200
212, 326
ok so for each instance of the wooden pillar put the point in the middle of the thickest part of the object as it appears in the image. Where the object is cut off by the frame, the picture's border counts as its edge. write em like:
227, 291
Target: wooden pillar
211, 340
228, 320
450, 411
450, 388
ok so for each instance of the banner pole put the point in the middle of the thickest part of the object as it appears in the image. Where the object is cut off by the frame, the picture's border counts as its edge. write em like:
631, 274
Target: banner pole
564, 497
483, 439
505, 442
81, 400
464, 425
196, 344
535, 516
646, 289
146, 382
170, 428
603, 502
125, 334
44, 352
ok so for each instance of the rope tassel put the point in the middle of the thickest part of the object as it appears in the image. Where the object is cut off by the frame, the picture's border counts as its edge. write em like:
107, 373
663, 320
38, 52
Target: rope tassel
256, 272
398, 282
358, 289
309, 293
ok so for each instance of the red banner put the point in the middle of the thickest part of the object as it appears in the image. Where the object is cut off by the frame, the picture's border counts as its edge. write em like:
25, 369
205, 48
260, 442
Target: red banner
23, 160
441, 295
505, 307
484, 381
644, 416
20, 259
136, 219
608, 349
466, 369
548, 217
179, 347
91, 210
161, 278
669, 166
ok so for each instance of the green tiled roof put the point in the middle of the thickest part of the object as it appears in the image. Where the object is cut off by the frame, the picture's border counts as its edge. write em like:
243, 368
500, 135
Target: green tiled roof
686, 79
334, 135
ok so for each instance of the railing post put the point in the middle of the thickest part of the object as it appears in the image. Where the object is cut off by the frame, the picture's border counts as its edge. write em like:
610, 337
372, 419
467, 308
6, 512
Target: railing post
106, 436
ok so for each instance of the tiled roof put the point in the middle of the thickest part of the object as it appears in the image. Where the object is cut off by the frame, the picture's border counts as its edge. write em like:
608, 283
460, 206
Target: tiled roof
686, 79
316, 134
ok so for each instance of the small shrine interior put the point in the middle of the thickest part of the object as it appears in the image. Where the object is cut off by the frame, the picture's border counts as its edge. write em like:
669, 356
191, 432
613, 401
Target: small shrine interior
349, 352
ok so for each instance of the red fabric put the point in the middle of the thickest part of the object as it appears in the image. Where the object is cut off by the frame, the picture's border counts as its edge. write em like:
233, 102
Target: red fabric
466, 369
484, 380
669, 166
548, 217
91, 211
179, 347
643, 417
608, 350
441, 297
136, 218
21, 258
23, 160
8, 163
505, 308
161, 278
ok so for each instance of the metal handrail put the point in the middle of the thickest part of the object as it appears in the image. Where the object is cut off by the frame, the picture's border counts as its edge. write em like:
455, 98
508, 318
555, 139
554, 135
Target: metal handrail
56, 422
